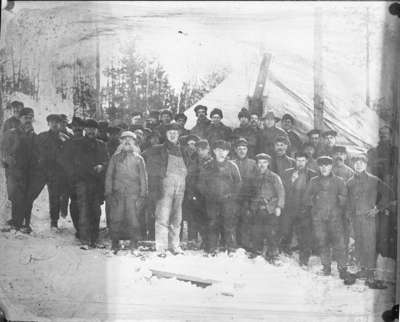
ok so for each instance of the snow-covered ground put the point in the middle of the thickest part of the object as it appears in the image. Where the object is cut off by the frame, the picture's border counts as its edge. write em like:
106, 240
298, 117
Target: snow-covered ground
47, 275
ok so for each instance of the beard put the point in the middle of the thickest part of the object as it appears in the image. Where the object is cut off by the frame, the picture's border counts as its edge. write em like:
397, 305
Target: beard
126, 147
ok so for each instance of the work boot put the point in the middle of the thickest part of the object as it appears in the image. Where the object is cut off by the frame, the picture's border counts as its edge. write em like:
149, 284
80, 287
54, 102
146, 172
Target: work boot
177, 251
372, 282
326, 270
347, 277
115, 246
54, 227
26, 229
362, 273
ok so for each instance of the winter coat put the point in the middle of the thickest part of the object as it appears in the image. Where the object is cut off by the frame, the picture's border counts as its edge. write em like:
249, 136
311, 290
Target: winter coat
364, 192
251, 135
126, 174
248, 172
200, 129
343, 171
295, 143
220, 181
156, 158
269, 192
19, 151
295, 190
81, 156
50, 146
327, 196
11, 123
216, 132
279, 164
267, 138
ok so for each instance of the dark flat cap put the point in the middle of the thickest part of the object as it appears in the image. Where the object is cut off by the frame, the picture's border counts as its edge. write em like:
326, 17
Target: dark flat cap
324, 160
103, 125
300, 154
263, 156
222, 144
76, 121
26, 111
314, 131
180, 116
200, 107
154, 113
288, 117
173, 127
202, 144
339, 149
114, 130
330, 132
166, 111
136, 113
283, 139
53, 118
16, 104
241, 142
64, 118
216, 111
244, 112
91, 123
191, 137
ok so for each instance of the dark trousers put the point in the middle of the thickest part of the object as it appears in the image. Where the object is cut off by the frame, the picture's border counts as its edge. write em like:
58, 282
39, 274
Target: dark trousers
365, 240
244, 226
147, 217
89, 201
194, 213
18, 187
300, 223
222, 218
55, 187
73, 206
330, 237
265, 232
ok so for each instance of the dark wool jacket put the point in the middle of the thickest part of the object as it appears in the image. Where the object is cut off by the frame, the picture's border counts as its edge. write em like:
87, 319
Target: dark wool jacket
220, 181
81, 156
216, 132
156, 158
50, 146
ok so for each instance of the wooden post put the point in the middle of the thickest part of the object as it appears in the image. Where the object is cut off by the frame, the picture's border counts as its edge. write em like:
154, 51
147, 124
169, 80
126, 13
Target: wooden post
256, 102
318, 71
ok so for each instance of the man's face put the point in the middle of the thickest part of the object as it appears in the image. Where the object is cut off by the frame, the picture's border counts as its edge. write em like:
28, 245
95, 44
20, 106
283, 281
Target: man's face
220, 154
244, 121
287, 124
254, 120
191, 145
280, 148
137, 119
309, 150
339, 157
54, 126
77, 130
301, 163
384, 134
26, 119
325, 169
330, 140
201, 113
181, 121
314, 139
360, 166
91, 132
262, 165
269, 122
139, 134
203, 153
241, 151
216, 119
154, 140
166, 118
128, 144
172, 136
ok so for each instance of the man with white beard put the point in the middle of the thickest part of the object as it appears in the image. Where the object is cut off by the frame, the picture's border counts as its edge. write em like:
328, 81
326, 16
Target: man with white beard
125, 191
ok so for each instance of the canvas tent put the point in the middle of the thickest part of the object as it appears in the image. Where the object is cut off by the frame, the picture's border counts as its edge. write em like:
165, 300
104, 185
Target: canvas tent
289, 89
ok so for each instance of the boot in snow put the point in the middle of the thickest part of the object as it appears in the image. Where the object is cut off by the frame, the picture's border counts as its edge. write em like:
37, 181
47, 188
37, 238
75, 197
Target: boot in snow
347, 277
326, 270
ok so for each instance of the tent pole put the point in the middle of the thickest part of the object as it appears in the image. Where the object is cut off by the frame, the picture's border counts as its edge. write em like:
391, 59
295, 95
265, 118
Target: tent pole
256, 102
318, 74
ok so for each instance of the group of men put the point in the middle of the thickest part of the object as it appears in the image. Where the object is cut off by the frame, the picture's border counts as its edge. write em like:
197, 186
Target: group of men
252, 187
